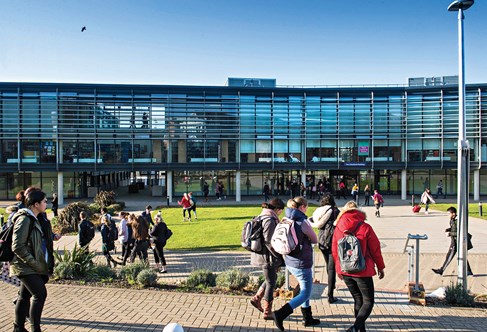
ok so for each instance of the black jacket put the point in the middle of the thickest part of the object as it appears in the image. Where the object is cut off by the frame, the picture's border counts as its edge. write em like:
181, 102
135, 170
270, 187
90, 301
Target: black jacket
86, 232
158, 233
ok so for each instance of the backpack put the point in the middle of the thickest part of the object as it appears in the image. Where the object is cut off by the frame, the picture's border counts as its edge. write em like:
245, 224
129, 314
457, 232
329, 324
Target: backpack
6, 239
325, 235
113, 230
284, 240
350, 253
252, 237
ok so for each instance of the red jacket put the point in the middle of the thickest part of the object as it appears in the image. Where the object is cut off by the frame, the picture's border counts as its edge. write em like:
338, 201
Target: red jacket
185, 203
368, 241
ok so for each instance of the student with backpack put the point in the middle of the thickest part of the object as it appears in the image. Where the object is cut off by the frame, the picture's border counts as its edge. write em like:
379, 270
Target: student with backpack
268, 260
160, 234
108, 242
378, 202
31, 260
351, 223
323, 219
300, 263
86, 231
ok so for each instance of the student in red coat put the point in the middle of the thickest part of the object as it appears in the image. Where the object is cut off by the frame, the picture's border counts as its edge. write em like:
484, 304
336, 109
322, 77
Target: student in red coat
360, 284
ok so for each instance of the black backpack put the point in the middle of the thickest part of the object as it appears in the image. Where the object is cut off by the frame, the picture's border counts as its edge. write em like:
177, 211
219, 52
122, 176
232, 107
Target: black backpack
325, 235
6, 238
252, 236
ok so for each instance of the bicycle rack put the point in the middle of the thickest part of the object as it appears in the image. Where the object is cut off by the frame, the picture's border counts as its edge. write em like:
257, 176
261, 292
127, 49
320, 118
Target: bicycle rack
415, 288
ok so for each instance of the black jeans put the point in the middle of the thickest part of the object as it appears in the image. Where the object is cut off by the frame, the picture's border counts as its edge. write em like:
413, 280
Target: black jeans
140, 249
159, 254
452, 251
33, 286
270, 276
330, 270
362, 290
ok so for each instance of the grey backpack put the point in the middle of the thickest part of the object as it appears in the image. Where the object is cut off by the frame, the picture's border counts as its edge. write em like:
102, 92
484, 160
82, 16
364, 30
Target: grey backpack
350, 252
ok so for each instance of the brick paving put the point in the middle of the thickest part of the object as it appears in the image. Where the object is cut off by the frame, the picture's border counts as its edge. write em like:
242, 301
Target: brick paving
83, 308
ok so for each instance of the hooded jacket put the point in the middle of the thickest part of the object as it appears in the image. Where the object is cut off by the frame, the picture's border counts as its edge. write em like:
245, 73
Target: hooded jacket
268, 257
301, 258
368, 241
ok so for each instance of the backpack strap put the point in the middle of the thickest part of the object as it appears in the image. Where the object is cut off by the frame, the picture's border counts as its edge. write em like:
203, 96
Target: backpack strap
31, 223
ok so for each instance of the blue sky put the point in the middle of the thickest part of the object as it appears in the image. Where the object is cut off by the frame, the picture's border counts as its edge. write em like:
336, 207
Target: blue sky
197, 42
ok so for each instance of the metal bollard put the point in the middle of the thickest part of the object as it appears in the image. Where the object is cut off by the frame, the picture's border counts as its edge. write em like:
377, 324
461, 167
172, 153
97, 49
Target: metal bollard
480, 209
412, 200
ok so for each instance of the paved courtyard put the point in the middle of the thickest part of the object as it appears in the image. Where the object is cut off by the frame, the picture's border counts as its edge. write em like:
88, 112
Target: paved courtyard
79, 308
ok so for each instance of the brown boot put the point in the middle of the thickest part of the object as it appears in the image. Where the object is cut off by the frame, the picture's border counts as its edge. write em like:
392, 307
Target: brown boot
268, 314
257, 298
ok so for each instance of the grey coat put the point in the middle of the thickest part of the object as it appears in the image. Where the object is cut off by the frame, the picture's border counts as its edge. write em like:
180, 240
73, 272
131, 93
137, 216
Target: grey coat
269, 257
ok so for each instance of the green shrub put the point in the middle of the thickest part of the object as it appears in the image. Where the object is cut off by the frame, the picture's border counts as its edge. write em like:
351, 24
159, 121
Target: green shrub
95, 208
201, 278
63, 270
131, 271
147, 277
234, 279
455, 294
79, 260
104, 273
105, 198
68, 219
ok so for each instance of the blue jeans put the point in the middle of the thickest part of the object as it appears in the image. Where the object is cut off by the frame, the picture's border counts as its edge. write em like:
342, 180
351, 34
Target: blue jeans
305, 279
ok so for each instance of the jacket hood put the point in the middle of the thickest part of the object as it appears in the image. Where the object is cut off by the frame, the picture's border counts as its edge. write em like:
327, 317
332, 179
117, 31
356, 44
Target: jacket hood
295, 214
350, 218
270, 213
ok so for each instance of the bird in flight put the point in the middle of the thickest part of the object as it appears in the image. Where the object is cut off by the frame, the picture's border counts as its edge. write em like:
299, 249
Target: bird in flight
83, 29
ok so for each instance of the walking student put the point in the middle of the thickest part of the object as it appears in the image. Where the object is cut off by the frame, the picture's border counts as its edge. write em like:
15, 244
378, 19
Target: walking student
86, 231
123, 236
427, 199
378, 202
367, 195
108, 242
55, 204
141, 236
452, 232
30, 263
269, 260
193, 201
300, 264
360, 284
160, 233
186, 204
323, 219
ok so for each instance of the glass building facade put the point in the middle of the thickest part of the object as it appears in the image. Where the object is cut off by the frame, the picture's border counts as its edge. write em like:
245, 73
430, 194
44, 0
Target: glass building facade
99, 135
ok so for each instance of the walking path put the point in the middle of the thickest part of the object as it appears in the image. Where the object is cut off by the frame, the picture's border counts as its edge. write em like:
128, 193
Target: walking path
79, 308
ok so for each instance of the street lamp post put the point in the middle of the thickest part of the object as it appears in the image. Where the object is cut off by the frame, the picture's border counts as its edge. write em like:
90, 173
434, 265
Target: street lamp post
463, 149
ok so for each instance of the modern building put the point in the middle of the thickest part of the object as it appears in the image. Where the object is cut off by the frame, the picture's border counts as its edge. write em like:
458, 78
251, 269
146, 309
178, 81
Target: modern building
75, 139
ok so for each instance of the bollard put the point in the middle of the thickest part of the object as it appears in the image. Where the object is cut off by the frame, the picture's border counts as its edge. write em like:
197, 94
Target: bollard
480, 209
412, 200
167, 199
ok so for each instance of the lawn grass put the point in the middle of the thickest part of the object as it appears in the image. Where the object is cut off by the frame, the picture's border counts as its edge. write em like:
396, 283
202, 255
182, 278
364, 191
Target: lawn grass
217, 227
473, 209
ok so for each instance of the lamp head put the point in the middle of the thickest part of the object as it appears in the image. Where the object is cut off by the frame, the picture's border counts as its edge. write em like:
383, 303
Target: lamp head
457, 5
